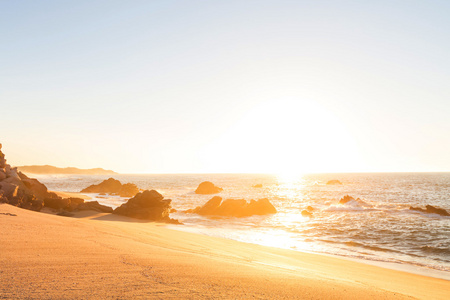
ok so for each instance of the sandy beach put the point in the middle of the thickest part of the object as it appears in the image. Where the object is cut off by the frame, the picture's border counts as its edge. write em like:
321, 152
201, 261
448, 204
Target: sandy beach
96, 255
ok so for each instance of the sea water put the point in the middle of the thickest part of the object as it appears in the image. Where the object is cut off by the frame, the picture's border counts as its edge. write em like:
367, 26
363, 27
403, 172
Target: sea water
380, 227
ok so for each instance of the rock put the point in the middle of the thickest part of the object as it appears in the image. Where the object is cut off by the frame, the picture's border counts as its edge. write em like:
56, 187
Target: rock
113, 186
334, 182
436, 210
147, 205
234, 207
95, 206
58, 203
209, 208
309, 208
37, 188
19, 190
207, 188
258, 185
13, 173
431, 210
68, 204
10, 190
306, 213
346, 199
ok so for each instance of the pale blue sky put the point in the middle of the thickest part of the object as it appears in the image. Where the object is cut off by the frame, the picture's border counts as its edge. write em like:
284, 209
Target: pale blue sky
226, 86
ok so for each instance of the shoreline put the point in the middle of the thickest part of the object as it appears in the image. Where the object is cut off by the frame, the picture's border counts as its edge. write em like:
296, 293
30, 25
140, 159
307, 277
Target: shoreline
398, 266
101, 255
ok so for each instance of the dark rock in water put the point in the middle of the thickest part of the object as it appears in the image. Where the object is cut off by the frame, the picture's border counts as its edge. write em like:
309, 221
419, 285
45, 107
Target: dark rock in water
258, 185
207, 188
306, 213
431, 210
346, 199
148, 205
234, 208
309, 208
113, 186
95, 206
334, 182
436, 210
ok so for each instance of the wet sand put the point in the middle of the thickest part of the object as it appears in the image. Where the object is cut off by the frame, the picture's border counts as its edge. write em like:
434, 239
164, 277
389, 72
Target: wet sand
44, 256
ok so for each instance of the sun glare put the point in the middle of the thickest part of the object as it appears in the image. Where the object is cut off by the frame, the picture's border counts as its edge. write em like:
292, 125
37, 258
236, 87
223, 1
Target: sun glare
286, 137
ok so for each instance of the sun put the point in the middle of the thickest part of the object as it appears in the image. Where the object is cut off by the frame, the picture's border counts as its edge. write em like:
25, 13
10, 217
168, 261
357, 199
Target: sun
289, 176
287, 137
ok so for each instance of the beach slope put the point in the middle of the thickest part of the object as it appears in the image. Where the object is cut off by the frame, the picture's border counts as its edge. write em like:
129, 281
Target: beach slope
45, 256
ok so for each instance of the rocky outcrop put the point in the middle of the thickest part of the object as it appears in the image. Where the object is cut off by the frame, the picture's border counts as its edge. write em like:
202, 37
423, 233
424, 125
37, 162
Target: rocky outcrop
234, 208
334, 182
207, 188
432, 210
148, 205
19, 190
113, 186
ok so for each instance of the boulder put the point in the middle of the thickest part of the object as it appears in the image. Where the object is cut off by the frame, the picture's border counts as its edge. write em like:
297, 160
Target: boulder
37, 188
147, 205
207, 188
310, 208
258, 185
113, 186
10, 190
19, 190
331, 182
432, 210
234, 208
95, 206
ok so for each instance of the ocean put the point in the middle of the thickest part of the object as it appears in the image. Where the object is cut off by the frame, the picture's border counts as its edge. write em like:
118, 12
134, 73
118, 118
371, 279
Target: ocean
378, 228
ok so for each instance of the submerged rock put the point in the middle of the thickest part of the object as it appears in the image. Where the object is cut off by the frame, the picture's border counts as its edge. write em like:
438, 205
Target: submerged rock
431, 210
207, 188
148, 205
113, 186
331, 182
306, 213
234, 207
346, 199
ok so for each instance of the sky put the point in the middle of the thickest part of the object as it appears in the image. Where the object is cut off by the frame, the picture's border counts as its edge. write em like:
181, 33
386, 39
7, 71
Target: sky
226, 86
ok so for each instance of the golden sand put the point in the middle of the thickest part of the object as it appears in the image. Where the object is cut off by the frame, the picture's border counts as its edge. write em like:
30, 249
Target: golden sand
94, 255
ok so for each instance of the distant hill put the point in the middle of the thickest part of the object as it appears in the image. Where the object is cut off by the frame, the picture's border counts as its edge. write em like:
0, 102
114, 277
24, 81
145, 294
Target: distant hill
55, 170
